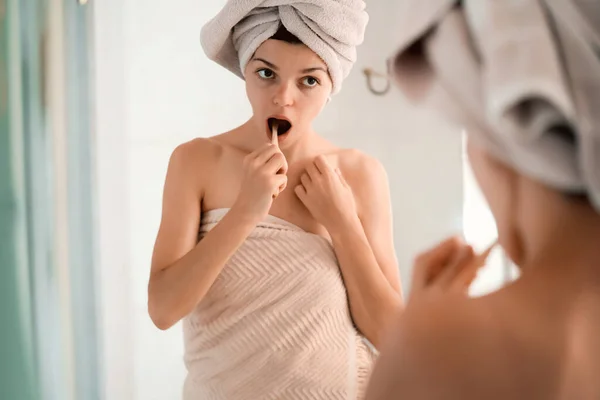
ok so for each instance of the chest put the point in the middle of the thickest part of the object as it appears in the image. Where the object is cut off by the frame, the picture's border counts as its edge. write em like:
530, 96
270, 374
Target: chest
226, 180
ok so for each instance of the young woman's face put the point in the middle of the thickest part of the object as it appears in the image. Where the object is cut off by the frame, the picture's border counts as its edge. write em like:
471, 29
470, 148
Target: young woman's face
287, 82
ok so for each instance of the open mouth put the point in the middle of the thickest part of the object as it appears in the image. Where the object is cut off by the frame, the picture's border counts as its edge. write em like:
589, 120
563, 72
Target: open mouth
283, 125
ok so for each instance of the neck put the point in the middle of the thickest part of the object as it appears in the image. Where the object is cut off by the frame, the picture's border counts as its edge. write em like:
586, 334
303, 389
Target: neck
563, 239
301, 147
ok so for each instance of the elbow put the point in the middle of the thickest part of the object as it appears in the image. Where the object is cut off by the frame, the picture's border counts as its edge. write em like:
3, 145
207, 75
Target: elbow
157, 307
159, 318
166, 309
161, 323
159, 314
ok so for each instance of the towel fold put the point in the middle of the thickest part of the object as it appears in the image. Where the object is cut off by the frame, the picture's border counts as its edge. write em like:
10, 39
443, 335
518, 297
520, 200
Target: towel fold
276, 323
331, 28
521, 76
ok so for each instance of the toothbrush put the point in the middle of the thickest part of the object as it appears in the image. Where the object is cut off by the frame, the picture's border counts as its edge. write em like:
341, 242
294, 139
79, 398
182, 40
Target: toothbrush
274, 138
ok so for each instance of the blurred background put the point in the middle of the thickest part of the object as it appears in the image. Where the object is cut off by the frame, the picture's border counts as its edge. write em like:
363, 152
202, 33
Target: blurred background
94, 96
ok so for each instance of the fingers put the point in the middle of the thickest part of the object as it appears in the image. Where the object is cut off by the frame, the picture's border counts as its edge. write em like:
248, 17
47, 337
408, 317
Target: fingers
464, 280
312, 171
305, 182
342, 179
270, 155
486, 253
450, 267
300, 192
469, 272
428, 264
302, 189
462, 263
442, 252
322, 165
279, 184
264, 154
277, 164
305, 179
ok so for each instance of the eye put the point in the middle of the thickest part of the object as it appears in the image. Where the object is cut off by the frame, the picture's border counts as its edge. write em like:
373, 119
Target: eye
310, 81
266, 73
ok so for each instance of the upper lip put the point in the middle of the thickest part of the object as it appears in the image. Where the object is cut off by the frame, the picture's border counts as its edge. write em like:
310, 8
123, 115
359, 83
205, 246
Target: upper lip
283, 117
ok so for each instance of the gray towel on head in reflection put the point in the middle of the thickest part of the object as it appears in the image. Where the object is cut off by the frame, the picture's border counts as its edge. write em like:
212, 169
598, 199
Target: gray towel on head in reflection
521, 76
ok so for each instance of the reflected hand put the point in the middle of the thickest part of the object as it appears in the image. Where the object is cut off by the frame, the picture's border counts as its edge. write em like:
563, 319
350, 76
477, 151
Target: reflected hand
450, 267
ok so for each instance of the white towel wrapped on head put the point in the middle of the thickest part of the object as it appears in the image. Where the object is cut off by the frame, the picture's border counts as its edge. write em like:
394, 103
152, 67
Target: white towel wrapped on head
331, 28
522, 76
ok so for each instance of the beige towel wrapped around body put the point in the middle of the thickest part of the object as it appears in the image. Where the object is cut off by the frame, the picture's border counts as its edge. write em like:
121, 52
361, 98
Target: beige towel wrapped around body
331, 28
276, 323
521, 76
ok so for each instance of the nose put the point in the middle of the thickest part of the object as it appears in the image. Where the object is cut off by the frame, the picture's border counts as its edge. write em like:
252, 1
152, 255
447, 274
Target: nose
284, 95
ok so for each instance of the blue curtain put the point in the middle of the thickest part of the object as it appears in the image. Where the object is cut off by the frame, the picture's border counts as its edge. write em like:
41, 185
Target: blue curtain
49, 345
18, 378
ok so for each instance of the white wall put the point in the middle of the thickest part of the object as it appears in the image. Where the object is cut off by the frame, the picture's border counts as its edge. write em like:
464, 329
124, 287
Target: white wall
112, 189
174, 95
171, 93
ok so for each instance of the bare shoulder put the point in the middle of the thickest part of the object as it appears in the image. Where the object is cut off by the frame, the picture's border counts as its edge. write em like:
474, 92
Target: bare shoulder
198, 150
189, 165
356, 161
194, 157
368, 179
364, 173
449, 348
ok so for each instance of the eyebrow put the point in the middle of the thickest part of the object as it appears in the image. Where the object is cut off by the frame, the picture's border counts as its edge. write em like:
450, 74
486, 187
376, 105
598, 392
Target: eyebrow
274, 67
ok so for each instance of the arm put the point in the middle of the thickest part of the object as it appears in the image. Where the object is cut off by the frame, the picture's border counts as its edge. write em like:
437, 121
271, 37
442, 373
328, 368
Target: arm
365, 249
182, 270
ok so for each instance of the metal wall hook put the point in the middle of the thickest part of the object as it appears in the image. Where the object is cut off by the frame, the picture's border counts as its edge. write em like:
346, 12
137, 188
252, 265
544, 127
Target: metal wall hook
369, 73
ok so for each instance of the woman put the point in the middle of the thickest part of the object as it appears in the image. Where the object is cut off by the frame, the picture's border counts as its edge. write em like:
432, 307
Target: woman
530, 105
259, 222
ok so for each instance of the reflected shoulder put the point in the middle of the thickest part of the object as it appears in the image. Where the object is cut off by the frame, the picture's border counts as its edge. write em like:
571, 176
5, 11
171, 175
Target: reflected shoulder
448, 348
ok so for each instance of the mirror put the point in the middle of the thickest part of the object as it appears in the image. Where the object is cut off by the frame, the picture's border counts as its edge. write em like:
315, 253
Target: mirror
151, 88
170, 93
